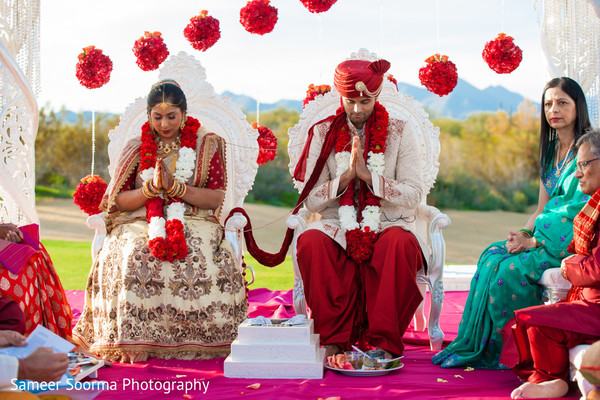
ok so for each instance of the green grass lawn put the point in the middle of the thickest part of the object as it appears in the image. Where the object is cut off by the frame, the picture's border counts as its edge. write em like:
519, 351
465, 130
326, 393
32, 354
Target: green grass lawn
73, 260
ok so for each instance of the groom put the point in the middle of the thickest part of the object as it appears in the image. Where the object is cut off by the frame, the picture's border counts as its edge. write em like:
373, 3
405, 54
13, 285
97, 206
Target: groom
359, 261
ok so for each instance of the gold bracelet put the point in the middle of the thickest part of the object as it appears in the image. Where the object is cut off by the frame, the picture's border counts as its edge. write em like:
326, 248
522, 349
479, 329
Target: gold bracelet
178, 190
145, 191
536, 244
174, 189
149, 191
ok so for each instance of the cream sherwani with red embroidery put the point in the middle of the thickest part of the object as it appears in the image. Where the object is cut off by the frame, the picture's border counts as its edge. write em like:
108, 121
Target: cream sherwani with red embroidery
399, 188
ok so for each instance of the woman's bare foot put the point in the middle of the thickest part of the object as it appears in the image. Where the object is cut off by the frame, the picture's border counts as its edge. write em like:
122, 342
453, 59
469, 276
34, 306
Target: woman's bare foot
332, 349
528, 390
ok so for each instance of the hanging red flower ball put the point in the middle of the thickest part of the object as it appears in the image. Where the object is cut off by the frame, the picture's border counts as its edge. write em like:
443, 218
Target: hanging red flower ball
202, 31
93, 68
89, 193
313, 91
150, 51
267, 144
439, 75
258, 17
318, 6
502, 54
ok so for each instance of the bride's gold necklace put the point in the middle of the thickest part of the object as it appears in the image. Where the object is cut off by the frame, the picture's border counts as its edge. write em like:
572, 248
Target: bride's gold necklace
165, 148
559, 168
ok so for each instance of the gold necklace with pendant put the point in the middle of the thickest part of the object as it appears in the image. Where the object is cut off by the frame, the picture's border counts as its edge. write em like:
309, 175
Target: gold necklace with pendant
168, 148
559, 168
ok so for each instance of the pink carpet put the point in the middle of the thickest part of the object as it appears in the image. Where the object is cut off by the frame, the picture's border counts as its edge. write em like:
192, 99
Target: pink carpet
419, 379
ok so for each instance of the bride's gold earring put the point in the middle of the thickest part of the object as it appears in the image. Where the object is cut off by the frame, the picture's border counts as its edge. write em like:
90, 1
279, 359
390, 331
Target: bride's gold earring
183, 121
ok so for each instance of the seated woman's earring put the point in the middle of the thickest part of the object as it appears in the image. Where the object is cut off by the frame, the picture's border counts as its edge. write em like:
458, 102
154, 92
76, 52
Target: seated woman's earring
183, 121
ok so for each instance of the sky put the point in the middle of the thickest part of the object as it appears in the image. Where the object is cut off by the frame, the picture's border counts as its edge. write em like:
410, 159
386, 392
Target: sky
303, 48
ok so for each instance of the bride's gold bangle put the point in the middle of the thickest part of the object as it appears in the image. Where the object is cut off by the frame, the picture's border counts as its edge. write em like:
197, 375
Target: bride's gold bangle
149, 191
178, 190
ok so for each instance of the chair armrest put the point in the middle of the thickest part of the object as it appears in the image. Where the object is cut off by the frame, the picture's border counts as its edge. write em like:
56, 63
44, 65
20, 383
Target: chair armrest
297, 221
233, 234
433, 216
437, 222
555, 286
98, 223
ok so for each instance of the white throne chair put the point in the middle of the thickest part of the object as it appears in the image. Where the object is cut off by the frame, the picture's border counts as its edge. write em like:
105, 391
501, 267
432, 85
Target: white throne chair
217, 114
429, 222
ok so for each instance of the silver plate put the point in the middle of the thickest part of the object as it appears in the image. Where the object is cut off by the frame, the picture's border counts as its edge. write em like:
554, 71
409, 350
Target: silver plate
365, 372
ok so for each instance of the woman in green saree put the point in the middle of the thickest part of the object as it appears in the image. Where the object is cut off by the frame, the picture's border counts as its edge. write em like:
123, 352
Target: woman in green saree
508, 271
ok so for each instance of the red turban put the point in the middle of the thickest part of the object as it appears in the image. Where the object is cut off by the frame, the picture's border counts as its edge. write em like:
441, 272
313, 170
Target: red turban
360, 78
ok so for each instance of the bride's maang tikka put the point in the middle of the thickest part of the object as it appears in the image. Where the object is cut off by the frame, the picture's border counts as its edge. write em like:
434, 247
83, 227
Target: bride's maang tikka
164, 105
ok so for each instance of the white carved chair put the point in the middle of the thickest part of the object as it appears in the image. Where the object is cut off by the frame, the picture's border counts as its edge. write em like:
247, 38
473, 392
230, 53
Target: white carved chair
430, 221
217, 114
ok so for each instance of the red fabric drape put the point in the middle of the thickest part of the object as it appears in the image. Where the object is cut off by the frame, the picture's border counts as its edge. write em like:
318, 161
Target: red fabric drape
273, 259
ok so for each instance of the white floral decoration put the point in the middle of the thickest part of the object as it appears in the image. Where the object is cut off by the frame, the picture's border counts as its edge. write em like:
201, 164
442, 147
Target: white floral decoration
156, 228
147, 174
175, 211
376, 162
342, 161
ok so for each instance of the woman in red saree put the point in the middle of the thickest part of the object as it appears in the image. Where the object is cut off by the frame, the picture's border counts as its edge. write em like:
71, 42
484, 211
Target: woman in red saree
37, 290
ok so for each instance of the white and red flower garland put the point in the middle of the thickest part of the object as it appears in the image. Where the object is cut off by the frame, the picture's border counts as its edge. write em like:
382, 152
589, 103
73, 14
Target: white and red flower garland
439, 76
267, 144
203, 31
502, 54
318, 6
258, 17
150, 51
313, 91
166, 239
93, 68
89, 193
360, 237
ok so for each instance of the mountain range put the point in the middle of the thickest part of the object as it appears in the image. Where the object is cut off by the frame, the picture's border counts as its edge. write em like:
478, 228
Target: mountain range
465, 99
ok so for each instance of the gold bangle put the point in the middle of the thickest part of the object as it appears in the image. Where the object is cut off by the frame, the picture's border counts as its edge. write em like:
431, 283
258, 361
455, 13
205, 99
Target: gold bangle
174, 189
536, 244
178, 190
149, 191
145, 191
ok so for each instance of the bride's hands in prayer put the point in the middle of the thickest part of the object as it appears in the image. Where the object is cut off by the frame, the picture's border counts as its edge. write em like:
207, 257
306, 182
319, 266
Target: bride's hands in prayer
163, 179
